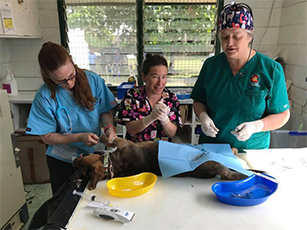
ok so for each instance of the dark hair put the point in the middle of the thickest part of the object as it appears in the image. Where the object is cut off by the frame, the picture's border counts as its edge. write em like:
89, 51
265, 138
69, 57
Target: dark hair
53, 56
151, 61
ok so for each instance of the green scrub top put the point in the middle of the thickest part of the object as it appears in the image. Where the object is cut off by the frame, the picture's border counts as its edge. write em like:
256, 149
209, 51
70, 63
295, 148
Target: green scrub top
257, 90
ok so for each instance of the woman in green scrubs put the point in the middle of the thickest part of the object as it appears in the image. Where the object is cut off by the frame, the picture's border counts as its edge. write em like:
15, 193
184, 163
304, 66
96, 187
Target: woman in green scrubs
240, 94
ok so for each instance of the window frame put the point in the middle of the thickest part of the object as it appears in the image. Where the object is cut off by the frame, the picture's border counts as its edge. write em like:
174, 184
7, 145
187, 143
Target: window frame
140, 23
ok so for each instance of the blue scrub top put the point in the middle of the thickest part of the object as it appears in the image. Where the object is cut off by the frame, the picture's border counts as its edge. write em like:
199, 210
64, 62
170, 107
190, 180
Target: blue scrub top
43, 117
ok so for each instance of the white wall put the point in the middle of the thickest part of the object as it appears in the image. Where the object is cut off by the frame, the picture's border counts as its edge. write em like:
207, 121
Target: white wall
21, 53
292, 43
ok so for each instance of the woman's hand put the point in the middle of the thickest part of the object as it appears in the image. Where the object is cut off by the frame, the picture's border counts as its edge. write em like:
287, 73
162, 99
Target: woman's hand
160, 110
111, 134
207, 125
89, 139
245, 130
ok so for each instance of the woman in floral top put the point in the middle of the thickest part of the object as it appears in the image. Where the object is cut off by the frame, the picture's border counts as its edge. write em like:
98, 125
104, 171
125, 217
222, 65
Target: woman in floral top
150, 112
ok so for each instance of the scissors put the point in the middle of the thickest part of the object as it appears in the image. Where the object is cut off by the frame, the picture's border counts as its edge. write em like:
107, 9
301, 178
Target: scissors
58, 114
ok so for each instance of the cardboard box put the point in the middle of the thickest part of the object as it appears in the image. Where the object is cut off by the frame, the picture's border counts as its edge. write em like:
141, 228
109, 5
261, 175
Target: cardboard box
184, 111
33, 161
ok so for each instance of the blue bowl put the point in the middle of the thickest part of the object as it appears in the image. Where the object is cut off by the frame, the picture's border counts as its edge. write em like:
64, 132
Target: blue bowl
253, 190
183, 96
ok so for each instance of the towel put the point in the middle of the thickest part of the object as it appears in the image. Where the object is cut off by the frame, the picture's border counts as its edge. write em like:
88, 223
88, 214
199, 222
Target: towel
179, 158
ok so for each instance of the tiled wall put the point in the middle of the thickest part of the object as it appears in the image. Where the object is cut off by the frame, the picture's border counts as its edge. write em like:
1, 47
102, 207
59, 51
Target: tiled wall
21, 53
292, 43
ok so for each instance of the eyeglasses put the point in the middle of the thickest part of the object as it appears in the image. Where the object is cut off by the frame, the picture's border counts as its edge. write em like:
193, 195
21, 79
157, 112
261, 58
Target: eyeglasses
60, 83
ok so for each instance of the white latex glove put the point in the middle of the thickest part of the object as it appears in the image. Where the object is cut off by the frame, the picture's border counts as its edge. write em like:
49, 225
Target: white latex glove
164, 120
207, 125
149, 119
164, 111
244, 131
159, 111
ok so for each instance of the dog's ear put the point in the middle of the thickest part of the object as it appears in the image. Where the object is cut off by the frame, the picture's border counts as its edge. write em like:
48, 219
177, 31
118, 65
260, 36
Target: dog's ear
93, 182
92, 168
86, 160
97, 174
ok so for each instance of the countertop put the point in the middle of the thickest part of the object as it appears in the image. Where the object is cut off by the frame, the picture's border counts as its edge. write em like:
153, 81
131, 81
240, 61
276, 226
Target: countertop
189, 203
26, 97
23, 97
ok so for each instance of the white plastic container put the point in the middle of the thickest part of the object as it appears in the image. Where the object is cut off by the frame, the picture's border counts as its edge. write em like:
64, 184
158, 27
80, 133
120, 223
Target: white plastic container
9, 83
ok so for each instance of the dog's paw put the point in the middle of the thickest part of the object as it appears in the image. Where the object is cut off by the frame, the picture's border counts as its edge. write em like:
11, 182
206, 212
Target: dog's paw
108, 144
235, 151
104, 139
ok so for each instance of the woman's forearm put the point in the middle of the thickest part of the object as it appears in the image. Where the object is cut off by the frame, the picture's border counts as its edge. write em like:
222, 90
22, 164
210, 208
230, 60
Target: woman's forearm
199, 107
275, 121
134, 127
170, 129
106, 119
60, 139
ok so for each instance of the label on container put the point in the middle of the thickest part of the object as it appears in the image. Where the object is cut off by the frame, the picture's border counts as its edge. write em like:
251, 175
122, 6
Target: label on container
7, 87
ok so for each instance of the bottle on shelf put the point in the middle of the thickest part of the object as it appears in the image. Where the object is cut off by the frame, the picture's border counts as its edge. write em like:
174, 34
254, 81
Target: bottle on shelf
9, 83
132, 77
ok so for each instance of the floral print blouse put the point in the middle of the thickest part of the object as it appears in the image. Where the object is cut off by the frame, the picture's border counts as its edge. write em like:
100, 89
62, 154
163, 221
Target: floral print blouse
135, 106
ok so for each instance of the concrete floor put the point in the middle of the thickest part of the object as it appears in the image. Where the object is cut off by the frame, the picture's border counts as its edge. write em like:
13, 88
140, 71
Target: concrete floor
36, 195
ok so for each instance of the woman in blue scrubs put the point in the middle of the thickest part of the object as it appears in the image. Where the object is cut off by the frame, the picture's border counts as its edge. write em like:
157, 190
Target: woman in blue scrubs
240, 94
68, 111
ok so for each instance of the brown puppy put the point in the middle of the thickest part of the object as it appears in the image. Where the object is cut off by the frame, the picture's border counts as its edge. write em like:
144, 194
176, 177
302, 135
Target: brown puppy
92, 167
133, 158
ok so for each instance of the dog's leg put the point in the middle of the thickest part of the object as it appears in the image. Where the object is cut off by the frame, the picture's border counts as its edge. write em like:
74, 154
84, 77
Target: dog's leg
210, 169
227, 174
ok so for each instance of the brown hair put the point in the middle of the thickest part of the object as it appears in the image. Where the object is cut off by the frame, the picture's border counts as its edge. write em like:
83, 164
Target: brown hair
53, 56
151, 61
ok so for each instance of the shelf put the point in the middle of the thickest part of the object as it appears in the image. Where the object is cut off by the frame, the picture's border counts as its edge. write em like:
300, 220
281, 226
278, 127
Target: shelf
188, 122
21, 36
183, 135
20, 131
23, 97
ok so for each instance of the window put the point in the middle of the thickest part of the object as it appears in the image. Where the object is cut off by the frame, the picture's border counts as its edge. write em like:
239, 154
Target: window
182, 33
103, 36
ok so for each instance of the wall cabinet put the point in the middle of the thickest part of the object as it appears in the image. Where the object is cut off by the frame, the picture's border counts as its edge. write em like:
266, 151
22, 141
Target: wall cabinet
32, 152
13, 206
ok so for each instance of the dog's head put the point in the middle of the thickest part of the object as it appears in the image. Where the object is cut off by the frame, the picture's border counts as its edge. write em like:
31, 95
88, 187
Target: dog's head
124, 155
92, 167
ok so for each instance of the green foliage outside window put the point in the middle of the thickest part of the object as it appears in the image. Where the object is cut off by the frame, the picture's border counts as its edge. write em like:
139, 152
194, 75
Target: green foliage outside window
181, 32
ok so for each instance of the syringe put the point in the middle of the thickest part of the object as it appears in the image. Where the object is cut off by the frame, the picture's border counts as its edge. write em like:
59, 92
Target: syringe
92, 197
